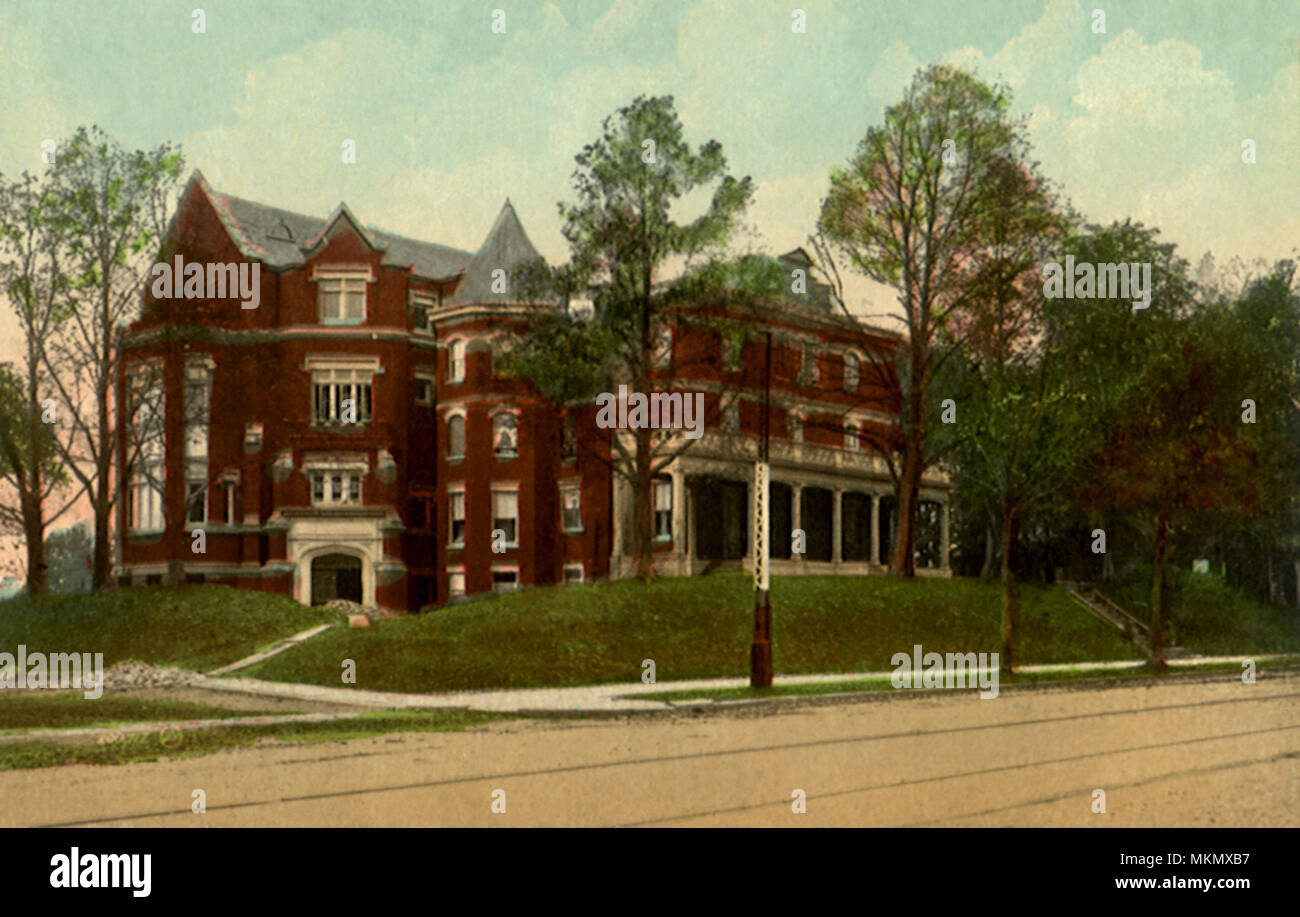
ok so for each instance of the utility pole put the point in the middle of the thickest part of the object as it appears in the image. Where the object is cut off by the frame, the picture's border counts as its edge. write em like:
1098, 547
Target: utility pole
760, 651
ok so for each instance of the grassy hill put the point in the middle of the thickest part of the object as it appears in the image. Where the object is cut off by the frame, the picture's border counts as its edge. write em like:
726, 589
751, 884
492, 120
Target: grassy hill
196, 627
1209, 616
696, 627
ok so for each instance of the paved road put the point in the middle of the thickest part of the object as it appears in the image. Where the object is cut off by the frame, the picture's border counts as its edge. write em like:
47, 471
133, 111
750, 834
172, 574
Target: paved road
1182, 753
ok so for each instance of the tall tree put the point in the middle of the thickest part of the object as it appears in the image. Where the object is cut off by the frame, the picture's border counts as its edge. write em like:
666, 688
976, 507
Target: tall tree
624, 232
912, 210
115, 205
32, 282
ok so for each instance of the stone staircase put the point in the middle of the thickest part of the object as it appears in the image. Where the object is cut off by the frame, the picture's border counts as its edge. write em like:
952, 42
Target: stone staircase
1137, 633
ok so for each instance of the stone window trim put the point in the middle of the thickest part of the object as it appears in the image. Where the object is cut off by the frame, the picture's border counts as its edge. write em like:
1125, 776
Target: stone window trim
422, 376
570, 486
349, 279
503, 488
457, 363
448, 415
454, 491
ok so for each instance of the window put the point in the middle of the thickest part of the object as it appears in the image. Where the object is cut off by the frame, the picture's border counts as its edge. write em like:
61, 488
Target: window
455, 581
505, 434
196, 502
850, 373
456, 361
341, 395
571, 507
456, 436
335, 488
568, 440
505, 514
342, 300
574, 573
731, 417
663, 508
852, 436
795, 425
198, 402
230, 503
423, 390
663, 349
148, 473
456, 512
505, 579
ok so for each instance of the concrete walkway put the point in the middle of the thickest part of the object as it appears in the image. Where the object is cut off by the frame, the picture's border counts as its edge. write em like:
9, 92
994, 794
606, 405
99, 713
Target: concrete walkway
273, 650
613, 698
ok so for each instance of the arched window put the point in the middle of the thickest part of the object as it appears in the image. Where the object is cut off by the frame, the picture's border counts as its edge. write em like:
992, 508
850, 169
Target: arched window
505, 434
852, 434
850, 373
456, 361
456, 436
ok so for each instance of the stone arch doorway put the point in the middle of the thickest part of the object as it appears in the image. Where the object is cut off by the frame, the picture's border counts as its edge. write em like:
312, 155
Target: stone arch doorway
335, 576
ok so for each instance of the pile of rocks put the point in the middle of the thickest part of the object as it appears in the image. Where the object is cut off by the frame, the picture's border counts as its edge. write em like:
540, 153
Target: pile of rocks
371, 613
126, 675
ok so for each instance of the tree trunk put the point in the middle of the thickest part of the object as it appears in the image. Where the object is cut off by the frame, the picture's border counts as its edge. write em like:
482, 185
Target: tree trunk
1158, 610
1274, 584
102, 501
38, 573
909, 483
1010, 588
1296, 564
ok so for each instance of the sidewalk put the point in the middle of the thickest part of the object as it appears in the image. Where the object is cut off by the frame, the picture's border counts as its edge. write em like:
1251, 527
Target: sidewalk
612, 698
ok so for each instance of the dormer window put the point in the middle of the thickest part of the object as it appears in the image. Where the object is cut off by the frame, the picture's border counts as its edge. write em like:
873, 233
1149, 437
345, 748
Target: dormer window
341, 297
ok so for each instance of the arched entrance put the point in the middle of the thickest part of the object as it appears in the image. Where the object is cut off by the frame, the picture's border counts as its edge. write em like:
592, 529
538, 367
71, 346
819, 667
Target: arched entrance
335, 576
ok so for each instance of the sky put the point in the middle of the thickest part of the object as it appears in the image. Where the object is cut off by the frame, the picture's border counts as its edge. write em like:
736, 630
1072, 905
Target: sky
1145, 119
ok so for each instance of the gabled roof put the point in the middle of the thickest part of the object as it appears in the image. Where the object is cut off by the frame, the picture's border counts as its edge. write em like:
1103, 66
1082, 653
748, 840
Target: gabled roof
284, 239
505, 248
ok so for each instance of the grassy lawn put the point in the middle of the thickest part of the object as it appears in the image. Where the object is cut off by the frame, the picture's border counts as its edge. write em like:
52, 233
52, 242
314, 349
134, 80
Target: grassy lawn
859, 685
1210, 617
696, 627
198, 742
67, 709
196, 627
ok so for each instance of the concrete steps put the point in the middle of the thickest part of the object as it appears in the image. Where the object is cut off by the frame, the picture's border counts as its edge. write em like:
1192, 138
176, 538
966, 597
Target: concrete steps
1104, 607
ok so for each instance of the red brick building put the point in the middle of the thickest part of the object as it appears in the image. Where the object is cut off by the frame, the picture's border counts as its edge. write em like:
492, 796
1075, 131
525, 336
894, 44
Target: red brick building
348, 436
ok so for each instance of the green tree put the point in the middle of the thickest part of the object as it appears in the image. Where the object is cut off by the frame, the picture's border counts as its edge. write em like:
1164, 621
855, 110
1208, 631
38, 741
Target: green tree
114, 205
915, 209
32, 244
624, 233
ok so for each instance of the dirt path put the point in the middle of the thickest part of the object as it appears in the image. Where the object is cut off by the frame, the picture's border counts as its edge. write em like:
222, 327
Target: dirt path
1182, 753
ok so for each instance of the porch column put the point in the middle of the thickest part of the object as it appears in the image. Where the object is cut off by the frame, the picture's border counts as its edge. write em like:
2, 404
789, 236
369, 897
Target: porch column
875, 529
943, 535
837, 528
796, 514
680, 539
